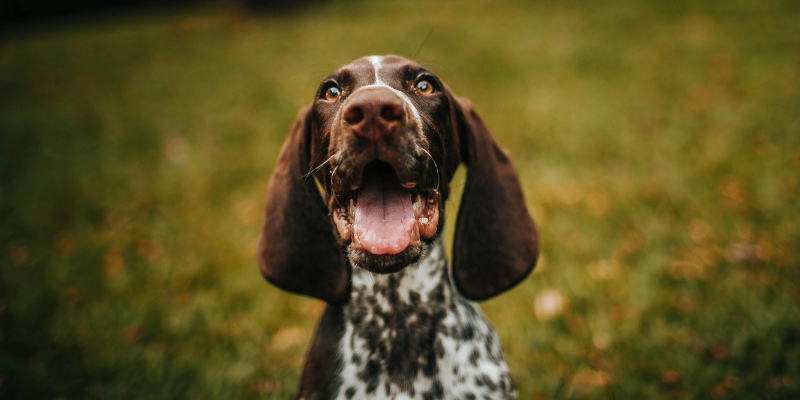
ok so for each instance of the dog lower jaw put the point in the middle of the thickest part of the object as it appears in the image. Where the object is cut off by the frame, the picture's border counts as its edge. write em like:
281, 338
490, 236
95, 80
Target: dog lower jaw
386, 263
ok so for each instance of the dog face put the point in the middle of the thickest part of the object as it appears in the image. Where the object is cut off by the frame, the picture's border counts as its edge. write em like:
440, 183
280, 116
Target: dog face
383, 137
381, 127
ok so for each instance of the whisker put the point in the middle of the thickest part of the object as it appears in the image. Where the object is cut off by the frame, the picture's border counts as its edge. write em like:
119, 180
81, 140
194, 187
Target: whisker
423, 44
435, 166
333, 177
338, 64
313, 162
320, 166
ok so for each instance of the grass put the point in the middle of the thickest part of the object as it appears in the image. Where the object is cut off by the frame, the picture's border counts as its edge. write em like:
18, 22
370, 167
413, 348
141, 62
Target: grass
658, 145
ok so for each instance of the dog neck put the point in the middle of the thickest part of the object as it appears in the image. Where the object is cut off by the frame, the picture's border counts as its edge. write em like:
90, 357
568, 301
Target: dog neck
410, 333
413, 284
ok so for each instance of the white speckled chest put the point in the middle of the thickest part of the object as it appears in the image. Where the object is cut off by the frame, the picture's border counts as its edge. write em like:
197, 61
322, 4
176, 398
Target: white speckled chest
410, 335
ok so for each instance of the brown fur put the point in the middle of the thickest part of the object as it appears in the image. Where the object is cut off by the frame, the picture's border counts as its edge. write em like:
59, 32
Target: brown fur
496, 243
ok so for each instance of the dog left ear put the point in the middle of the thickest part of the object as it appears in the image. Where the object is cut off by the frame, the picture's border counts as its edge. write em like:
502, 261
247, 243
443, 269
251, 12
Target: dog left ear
496, 243
297, 250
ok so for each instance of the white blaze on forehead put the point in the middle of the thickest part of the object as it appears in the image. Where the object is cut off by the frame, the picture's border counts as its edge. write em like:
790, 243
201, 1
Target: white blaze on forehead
376, 62
376, 65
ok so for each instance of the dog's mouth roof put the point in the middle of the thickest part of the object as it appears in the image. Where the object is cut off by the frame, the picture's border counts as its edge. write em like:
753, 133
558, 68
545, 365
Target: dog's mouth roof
382, 216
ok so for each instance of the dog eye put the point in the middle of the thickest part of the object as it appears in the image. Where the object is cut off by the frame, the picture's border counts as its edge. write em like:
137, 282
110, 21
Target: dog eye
425, 87
332, 93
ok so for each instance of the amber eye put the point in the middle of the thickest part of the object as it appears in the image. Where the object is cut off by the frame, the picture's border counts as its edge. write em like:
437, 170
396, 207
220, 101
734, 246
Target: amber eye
424, 87
332, 93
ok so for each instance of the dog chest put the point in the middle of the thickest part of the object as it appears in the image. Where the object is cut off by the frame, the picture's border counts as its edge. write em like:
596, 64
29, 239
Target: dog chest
410, 335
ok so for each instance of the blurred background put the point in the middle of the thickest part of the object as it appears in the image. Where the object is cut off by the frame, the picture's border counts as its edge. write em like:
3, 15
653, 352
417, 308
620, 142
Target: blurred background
658, 144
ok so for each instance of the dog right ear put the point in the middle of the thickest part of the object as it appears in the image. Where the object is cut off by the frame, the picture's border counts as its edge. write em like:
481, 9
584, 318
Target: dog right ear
496, 243
297, 250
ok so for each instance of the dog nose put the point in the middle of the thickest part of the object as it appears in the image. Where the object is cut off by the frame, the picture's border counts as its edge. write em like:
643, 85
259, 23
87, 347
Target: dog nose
373, 113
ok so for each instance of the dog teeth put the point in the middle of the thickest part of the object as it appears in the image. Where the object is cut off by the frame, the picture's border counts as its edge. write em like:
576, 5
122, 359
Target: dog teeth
423, 220
417, 205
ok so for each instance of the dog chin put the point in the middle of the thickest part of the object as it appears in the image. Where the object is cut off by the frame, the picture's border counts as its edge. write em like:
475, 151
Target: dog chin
387, 263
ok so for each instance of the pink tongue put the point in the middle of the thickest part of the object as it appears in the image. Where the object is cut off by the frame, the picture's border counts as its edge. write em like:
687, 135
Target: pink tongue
384, 219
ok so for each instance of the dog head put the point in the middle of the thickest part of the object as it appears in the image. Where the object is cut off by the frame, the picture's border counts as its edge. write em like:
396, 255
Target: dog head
383, 138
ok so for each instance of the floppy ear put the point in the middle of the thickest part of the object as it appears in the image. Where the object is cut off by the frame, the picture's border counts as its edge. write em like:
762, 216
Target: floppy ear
496, 243
297, 250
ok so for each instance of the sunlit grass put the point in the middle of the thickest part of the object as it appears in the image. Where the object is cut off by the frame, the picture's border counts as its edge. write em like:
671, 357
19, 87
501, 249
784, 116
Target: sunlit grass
658, 145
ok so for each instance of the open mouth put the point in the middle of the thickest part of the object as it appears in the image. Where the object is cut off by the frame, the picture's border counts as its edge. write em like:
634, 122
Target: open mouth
383, 217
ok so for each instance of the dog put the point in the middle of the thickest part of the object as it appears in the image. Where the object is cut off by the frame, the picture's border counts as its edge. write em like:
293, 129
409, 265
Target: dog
354, 216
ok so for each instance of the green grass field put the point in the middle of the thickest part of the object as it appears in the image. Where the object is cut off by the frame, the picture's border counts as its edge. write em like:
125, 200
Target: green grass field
658, 145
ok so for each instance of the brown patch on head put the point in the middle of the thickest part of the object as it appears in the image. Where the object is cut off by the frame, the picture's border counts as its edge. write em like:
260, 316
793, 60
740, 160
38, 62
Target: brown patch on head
386, 140
383, 138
